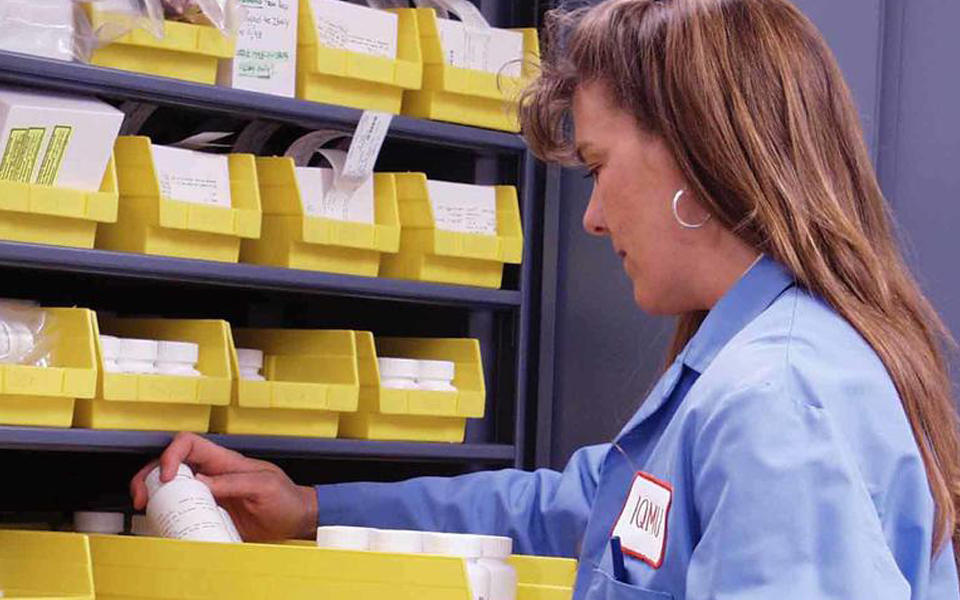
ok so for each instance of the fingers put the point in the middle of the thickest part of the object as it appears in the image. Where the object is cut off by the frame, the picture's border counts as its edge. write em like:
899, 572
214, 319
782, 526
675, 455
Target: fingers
138, 487
203, 455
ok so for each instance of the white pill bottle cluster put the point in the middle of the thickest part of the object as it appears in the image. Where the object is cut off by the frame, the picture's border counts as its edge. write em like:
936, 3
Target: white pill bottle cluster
485, 557
149, 357
410, 374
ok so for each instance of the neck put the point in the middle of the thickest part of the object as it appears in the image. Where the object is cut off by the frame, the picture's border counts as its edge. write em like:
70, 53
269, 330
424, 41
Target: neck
722, 273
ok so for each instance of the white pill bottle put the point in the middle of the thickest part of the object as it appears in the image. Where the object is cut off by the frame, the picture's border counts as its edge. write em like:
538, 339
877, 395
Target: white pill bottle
184, 509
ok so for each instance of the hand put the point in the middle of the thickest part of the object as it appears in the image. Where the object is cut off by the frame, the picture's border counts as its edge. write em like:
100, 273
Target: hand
264, 503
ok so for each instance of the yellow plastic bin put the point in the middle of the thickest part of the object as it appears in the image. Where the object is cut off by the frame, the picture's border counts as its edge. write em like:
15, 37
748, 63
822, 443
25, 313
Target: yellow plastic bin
311, 378
355, 79
161, 402
125, 568
186, 51
149, 223
295, 240
544, 578
43, 214
44, 396
416, 415
430, 254
467, 96
45, 565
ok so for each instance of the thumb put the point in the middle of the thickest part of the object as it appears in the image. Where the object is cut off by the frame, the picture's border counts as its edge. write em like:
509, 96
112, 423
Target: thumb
232, 485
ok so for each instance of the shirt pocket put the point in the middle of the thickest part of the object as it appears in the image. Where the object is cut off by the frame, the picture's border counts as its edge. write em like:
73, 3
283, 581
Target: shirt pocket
605, 587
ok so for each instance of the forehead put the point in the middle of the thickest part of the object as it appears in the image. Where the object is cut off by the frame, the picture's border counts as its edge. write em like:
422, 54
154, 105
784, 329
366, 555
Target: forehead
597, 118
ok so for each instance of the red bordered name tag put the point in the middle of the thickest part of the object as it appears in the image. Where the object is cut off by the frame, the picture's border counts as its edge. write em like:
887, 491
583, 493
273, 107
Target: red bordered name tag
642, 524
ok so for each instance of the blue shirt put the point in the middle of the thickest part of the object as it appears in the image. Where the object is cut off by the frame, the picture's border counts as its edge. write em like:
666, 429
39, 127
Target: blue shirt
792, 468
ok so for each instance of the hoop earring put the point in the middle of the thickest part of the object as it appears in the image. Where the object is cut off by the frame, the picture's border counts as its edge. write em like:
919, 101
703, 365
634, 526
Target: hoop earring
676, 214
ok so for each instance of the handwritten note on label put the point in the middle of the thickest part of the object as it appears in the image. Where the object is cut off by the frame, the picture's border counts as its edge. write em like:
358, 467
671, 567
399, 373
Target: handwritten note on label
190, 176
347, 26
316, 191
463, 208
481, 48
265, 60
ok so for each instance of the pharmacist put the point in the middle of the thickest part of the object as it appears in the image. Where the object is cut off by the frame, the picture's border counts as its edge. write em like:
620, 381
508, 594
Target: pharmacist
802, 442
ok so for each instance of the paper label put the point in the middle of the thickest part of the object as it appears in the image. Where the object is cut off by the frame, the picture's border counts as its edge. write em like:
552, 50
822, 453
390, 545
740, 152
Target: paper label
53, 157
189, 176
20, 154
481, 48
463, 208
347, 26
321, 199
642, 524
265, 59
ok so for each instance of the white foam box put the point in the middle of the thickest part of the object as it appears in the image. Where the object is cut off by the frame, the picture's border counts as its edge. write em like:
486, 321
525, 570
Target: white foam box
356, 28
39, 27
54, 139
266, 56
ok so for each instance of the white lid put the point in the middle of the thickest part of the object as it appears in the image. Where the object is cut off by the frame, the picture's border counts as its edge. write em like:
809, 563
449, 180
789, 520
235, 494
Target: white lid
110, 346
153, 478
98, 522
400, 541
344, 538
178, 352
401, 368
495, 546
249, 358
133, 349
437, 369
453, 544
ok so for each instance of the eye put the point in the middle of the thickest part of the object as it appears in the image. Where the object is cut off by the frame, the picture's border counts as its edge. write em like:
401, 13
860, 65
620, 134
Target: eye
592, 173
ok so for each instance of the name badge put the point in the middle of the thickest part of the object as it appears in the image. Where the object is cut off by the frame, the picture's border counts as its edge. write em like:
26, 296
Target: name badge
642, 525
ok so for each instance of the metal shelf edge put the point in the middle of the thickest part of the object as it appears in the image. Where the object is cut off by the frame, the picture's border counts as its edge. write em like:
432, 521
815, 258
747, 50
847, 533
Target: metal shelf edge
77, 260
92, 440
81, 78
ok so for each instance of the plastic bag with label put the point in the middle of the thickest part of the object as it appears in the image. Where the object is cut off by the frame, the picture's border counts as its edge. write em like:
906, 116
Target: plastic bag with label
55, 29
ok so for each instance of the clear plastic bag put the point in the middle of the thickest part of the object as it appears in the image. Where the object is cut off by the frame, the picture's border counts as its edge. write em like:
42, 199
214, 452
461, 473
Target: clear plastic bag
119, 17
27, 334
225, 15
48, 28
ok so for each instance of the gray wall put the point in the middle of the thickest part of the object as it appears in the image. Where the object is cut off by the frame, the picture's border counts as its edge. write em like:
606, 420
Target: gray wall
902, 61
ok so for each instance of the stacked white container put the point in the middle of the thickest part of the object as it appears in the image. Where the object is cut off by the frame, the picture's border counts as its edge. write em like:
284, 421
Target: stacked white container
399, 373
178, 358
436, 375
467, 547
250, 362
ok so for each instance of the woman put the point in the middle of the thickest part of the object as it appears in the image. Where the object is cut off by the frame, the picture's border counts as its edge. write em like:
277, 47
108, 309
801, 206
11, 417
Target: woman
803, 441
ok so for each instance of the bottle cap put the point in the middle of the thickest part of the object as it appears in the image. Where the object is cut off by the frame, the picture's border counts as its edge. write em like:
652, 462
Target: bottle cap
437, 369
110, 346
178, 352
344, 538
110, 523
133, 349
495, 546
398, 368
249, 358
398, 541
153, 478
453, 544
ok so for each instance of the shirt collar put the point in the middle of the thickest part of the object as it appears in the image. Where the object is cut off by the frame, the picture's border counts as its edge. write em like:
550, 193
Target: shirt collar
756, 290
751, 295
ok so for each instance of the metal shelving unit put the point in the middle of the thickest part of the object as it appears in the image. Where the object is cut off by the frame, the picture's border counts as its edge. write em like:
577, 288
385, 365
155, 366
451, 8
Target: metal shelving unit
89, 440
501, 319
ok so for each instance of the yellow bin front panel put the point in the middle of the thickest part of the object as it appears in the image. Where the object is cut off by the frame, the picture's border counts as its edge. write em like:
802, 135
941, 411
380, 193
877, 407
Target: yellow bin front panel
141, 416
275, 421
196, 68
40, 214
354, 79
186, 51
44, 396
149, 223
129, 568
45, 565
402, 428
161, 402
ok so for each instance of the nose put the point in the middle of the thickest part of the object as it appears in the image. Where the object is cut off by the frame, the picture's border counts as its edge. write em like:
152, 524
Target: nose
593, 221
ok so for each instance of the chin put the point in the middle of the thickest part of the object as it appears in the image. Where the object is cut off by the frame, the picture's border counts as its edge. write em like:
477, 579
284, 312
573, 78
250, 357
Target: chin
652, 304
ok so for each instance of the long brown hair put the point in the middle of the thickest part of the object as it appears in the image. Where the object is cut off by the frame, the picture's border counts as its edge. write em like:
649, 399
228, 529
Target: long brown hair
755, 111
